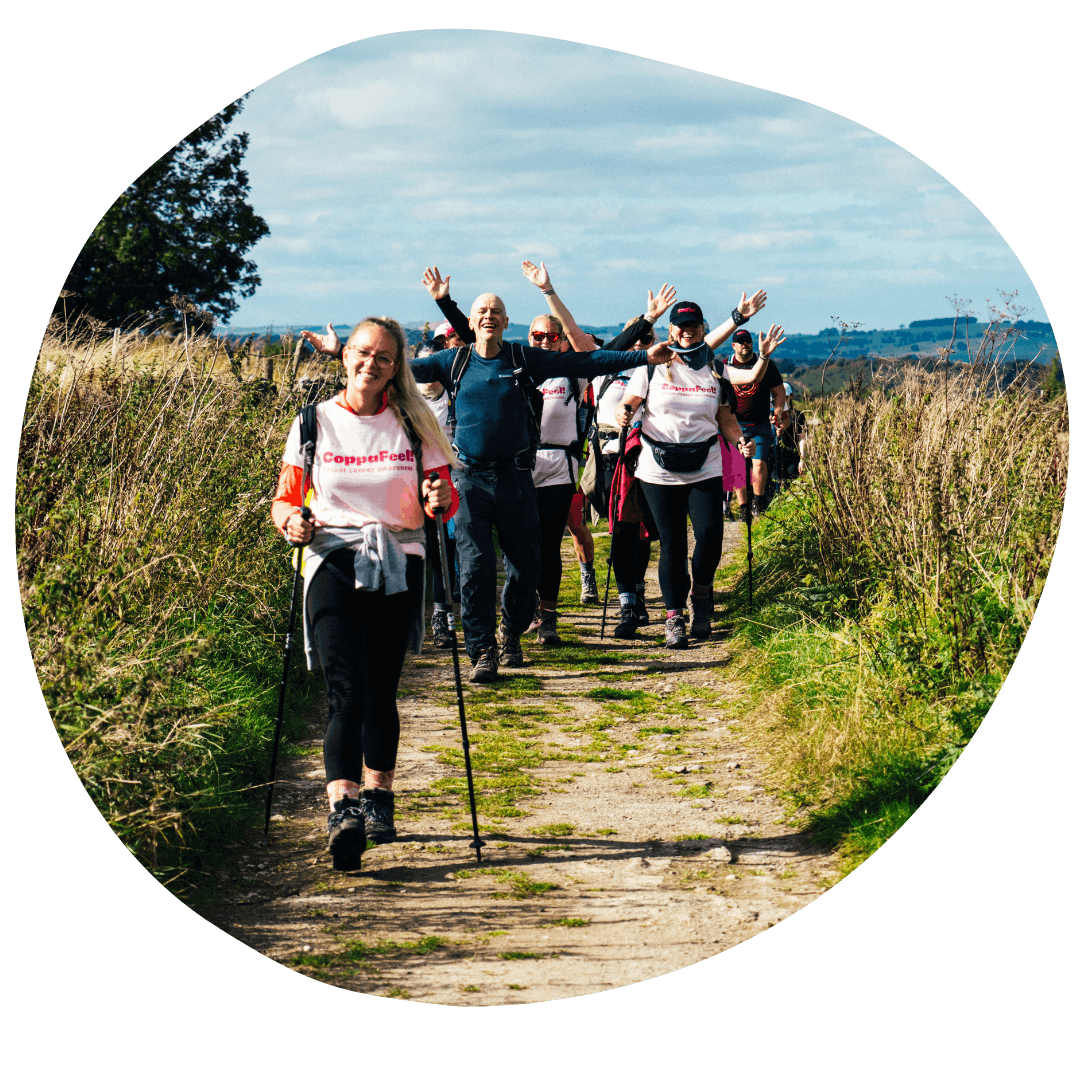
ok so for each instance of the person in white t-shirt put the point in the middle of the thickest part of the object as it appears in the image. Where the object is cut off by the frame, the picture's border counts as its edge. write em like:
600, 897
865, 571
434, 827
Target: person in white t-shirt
364, 567
555, 474
680, 468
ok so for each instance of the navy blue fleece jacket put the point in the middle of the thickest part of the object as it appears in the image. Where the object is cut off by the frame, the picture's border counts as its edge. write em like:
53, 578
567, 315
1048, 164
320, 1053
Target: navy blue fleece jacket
490, 408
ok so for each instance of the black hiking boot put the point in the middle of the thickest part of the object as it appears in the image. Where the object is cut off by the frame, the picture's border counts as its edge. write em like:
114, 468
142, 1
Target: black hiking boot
377, 807
485, 666
547, 634
641, 610
347, 839
701, 623
440, 630
628, 623
589, 594
510, 654
758, 506
675, 633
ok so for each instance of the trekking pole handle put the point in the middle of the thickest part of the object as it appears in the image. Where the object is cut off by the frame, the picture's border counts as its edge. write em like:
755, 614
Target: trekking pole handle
432, 477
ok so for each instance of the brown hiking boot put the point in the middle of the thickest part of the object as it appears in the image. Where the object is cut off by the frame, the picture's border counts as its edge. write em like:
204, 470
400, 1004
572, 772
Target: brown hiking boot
509, 647
485, 666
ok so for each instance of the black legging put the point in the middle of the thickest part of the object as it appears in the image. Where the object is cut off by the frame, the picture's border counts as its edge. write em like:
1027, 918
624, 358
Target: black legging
552, 504
360, 638
437, 591
629, 557
670, 504
629, 553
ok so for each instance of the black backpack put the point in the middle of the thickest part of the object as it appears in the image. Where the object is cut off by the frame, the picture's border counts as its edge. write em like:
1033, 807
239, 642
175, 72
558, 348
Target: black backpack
534, 399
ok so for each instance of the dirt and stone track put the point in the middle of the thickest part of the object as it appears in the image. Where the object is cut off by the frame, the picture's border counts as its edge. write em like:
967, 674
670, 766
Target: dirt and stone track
615, 850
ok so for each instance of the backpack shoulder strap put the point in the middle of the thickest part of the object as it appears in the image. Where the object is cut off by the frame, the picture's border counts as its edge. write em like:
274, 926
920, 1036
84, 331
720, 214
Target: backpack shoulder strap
457, 368
418, 456
606, 385
309, 425
457, 371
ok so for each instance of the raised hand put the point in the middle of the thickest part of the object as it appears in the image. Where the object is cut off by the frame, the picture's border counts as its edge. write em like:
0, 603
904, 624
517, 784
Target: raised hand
767, 342
538, 275
328, 343
661, 302
753, 305
438, 286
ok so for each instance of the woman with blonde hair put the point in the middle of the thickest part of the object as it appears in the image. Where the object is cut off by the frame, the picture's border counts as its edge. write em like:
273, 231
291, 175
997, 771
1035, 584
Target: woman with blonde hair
376, 444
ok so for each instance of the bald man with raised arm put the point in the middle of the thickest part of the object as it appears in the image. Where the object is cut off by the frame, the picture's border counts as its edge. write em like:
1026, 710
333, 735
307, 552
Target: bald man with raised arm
492, 438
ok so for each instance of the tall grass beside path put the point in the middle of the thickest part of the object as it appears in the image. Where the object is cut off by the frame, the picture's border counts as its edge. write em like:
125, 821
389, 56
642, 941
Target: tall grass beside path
893, 587
154, 589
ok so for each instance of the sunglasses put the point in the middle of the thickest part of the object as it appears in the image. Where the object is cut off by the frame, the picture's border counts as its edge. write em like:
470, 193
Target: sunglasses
539, 335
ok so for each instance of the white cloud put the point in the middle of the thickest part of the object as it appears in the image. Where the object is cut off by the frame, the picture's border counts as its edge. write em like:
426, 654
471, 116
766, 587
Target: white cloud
385, 155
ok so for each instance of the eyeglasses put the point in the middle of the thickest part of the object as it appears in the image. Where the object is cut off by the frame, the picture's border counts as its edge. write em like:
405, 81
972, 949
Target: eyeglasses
645, 342
539, 335
354, 352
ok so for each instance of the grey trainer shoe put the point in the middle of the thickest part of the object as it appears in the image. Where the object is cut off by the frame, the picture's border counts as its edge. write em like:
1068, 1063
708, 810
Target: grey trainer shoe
675, 633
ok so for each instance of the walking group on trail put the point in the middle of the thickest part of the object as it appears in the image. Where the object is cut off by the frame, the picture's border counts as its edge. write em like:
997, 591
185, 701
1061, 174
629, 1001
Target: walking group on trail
476, 437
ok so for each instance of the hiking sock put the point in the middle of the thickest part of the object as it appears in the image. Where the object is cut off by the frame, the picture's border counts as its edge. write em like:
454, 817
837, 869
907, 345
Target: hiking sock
627, 599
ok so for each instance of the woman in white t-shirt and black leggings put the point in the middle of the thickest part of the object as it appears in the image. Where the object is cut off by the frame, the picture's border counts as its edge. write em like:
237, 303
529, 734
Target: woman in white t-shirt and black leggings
364, 568
680, 468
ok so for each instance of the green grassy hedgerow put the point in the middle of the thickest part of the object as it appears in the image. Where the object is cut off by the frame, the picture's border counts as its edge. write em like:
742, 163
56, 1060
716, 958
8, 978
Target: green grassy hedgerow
893, 586
154, 589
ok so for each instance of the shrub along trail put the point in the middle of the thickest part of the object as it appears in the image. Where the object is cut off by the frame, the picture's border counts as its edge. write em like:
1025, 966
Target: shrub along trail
628, 830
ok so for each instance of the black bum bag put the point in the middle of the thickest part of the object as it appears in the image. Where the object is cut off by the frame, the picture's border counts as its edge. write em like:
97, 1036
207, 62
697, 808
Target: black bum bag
680, 457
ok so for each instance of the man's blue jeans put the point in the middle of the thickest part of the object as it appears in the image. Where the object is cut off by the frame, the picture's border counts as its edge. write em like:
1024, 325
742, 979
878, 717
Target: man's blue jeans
499, 497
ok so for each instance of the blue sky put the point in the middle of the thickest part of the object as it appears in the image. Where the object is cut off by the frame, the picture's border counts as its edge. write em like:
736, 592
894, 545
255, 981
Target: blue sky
476, 149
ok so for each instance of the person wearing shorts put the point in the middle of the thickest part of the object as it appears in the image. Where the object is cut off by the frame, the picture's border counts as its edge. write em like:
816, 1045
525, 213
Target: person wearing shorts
753, 403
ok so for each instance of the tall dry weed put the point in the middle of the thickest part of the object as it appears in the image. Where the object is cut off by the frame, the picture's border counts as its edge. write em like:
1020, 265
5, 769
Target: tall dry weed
899, 576
152, 584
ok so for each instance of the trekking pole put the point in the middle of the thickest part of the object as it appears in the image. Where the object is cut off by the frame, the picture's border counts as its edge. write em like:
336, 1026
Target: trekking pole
308, 452
611, 509
749, 531
476, 841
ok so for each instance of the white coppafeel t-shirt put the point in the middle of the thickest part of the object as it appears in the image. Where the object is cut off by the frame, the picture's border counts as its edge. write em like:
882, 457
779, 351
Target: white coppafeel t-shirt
680, 407
364, 470
558, 424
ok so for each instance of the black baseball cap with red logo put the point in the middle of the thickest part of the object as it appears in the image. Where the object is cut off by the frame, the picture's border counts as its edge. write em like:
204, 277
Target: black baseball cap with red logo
686, 311
742, 335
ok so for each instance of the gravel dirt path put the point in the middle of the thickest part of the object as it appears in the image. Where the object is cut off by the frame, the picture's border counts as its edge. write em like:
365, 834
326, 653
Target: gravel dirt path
628, 831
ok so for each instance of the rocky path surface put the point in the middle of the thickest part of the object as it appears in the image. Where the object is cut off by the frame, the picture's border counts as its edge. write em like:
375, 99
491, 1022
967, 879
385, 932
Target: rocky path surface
628, 831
